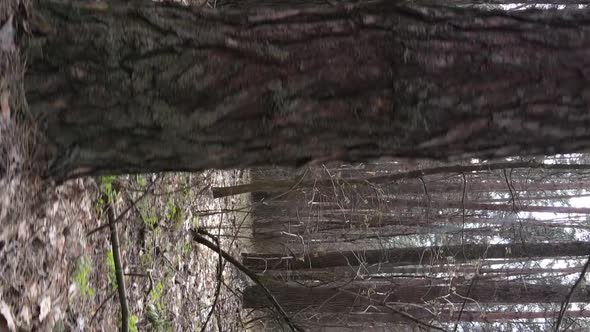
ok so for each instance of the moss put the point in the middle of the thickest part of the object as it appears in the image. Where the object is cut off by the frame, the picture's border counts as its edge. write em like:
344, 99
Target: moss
132, 323
151, 221
156, 293
186, 248
145, 260
173, 213
111, 271
80, 276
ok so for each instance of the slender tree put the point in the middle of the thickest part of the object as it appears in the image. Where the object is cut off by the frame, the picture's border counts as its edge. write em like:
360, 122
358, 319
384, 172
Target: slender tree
412, 256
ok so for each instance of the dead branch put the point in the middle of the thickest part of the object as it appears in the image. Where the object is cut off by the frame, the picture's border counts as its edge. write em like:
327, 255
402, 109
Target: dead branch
120, 216
566, 303
220, 267
197, 237
118, 269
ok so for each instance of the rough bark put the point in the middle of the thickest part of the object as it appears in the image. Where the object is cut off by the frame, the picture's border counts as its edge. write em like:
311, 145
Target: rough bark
142, 86
412, 256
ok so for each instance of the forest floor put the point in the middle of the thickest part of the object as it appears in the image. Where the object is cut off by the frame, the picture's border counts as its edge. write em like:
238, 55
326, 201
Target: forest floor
54, 275
171, 280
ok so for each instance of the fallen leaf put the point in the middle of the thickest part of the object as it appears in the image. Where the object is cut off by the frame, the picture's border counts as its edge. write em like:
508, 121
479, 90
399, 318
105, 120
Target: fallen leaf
4, 107
7, 36
6, 320
45, 308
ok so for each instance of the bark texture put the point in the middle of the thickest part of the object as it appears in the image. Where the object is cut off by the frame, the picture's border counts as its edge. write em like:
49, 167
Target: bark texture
142, 86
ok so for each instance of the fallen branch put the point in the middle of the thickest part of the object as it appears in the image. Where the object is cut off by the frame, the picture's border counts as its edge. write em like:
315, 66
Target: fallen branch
118, 269
566, 303
395, 310
283, 185
197, 237
220, 267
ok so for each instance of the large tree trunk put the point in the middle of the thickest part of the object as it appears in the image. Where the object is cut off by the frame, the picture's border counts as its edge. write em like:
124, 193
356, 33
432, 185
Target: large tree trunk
142, 86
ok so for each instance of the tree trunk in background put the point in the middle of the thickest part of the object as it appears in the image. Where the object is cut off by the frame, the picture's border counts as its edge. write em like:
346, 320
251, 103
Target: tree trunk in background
284, 185
412, 256
362, 321
354, 299
507, 207
343, 274
141, 86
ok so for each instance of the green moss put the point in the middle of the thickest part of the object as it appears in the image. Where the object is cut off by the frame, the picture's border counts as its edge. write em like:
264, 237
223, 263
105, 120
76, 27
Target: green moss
186, 248
154, 316
151, 221
156, 293
132, 324
80, 276
153, 311
111, 270
106, 187
145, 260
140, 179
173, 213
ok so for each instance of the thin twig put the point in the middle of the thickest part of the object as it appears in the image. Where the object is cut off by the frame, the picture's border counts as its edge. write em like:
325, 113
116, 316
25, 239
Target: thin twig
118, 269
473, 281
427, 217
220, 267
120, 216
566, 303
197, 237
397, 311
512, 196
101, 306
463, 208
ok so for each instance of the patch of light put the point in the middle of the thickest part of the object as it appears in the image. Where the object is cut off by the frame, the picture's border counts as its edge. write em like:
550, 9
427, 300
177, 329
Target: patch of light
580, 202
524, 6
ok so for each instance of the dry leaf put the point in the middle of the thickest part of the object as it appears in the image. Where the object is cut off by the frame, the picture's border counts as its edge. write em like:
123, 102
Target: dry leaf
45, 308
4, 107
7, 36
6, 320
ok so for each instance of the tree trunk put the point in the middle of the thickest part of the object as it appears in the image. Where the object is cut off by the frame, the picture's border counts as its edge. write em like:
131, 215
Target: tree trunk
343, 275
284, 185
412, 256
363, 321
353, 299
142, 86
